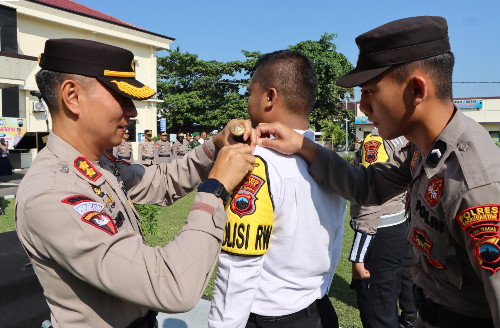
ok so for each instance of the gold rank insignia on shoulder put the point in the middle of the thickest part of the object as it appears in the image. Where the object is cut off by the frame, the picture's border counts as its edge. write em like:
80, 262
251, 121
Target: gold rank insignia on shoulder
87, 169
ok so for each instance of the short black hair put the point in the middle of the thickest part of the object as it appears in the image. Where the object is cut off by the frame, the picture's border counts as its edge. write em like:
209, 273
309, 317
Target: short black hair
439, 68
48, 83
292, 75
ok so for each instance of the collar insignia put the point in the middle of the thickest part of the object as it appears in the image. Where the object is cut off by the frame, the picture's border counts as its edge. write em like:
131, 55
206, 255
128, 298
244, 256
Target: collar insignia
436, 153
87, 169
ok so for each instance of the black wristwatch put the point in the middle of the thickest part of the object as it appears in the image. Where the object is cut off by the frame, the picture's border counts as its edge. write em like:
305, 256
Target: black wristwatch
213, 186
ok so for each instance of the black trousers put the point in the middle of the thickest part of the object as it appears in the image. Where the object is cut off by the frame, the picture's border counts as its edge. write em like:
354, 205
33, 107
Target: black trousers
320, 314
378, 295
406, 296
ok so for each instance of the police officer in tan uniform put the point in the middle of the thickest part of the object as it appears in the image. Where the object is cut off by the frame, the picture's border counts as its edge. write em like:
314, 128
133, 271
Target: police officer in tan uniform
74, 208
147, 149
180, 147
379, 248
124, 150
163, 151
450, 169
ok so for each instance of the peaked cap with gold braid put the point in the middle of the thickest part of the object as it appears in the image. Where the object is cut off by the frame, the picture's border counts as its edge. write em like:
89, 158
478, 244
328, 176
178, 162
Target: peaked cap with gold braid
113, 66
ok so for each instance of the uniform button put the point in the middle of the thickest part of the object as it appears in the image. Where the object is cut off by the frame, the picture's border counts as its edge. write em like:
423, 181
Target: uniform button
462, 147
64, 169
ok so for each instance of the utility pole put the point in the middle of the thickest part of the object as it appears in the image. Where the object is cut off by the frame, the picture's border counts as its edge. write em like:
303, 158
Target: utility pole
346, 136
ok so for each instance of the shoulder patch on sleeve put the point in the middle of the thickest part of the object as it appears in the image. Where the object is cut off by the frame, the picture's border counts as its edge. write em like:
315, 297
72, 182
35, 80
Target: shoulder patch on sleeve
481, 223
250, 214
373, 150
100, 221
76, 199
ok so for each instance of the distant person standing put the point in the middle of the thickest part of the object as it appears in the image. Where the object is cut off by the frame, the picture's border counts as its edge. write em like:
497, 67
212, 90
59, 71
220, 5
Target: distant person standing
180, 148
147, 149
5, 167
379, 247
188, 140
124, 150
163, 151
203, 137
195, 142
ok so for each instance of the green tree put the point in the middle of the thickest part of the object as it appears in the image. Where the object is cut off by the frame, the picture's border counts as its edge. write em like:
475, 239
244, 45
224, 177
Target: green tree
210, 93
330, 65
199, 92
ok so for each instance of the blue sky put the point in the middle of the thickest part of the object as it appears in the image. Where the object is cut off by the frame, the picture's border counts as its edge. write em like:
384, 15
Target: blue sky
220, 29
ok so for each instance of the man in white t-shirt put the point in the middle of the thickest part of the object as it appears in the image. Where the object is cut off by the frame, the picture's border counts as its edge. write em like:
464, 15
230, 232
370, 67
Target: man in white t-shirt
283, 237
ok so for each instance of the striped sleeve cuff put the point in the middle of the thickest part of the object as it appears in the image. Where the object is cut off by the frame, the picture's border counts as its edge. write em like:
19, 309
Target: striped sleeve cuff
360, 246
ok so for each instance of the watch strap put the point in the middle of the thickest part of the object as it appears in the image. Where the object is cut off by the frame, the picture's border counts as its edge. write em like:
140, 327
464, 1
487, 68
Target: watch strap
215, 187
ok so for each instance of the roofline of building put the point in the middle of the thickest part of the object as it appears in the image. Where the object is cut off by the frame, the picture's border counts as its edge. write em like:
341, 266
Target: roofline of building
130, 26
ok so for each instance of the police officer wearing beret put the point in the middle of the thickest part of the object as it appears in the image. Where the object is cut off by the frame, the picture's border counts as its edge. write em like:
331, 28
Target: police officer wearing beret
124, 150
74, 208
163, 151
450, 169
195, 142
147, 149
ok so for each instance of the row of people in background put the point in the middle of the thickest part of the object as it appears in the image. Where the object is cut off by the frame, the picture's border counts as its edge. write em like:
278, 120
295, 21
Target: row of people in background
161, 151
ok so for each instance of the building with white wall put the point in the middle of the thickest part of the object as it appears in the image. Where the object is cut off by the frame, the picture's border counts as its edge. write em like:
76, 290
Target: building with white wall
24, 28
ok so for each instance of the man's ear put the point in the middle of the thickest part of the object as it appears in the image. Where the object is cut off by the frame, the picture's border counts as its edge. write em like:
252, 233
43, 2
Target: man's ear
272, 97
419, 86
70, 96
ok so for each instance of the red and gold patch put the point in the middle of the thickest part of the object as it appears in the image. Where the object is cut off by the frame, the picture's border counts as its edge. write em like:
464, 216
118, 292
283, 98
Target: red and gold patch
87, 169
436, 264
101, 221
420, 239
243, 202
487, 253
483, 231
371, 150
76, 199
478, 214
434, 191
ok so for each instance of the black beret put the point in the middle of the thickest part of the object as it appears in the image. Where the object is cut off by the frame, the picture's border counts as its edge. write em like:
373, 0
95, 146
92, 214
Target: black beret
397, 42
113, 66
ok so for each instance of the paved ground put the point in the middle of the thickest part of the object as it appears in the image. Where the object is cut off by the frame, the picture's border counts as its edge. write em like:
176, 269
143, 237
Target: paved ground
196, 318
9, 183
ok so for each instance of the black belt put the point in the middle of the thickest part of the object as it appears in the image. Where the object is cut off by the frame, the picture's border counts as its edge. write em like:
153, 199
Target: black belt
124, 157
283, 318
164, 155
148, 321
438, 315
146, 157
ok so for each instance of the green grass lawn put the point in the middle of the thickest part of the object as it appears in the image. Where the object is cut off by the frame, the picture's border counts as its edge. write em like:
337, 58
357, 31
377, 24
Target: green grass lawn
171, 219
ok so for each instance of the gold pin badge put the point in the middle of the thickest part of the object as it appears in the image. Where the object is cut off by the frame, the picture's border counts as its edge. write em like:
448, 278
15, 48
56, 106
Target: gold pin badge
237, 131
